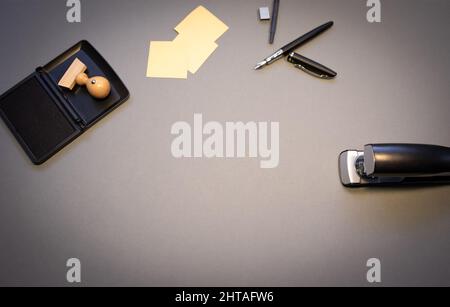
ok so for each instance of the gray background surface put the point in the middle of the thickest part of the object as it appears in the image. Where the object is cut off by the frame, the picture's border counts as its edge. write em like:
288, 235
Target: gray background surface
117, 199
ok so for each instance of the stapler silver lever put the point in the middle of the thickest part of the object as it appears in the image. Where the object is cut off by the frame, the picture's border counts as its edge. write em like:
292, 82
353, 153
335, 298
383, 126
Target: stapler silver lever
395, 164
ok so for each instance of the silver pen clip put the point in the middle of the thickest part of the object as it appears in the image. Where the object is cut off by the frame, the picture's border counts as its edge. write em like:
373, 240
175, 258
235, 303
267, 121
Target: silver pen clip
312, 73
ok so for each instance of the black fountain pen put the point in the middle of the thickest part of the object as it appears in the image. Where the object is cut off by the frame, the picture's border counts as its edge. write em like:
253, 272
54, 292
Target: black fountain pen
286, 50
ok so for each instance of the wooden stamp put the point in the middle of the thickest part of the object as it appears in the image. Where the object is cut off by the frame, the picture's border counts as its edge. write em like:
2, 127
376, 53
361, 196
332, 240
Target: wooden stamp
68, 80
98, 87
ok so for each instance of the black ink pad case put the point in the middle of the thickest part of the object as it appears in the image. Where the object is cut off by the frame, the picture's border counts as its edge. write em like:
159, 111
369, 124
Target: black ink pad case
44, 117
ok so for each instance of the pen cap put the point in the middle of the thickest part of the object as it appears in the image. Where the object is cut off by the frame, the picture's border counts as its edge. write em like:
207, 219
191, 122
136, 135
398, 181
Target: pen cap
310, 66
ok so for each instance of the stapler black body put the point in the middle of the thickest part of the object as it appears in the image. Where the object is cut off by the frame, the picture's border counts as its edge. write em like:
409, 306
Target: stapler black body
395, 164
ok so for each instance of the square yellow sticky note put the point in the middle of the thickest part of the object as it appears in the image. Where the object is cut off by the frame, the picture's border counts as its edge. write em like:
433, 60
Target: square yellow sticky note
167, 60
197, 52
203, 24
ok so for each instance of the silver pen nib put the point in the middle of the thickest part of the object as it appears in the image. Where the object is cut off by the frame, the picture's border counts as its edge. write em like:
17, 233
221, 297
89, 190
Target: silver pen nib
260, 65
270, 59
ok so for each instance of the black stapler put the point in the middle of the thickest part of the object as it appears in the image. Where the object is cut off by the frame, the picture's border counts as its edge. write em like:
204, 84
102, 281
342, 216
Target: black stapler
395, 164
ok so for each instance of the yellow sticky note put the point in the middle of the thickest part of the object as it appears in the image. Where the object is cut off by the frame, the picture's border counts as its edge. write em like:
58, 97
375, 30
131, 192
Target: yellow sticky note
167, 60
194, 44
203, 25
197, 52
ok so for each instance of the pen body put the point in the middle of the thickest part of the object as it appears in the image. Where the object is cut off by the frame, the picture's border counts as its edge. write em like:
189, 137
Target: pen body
273, 24
305, 38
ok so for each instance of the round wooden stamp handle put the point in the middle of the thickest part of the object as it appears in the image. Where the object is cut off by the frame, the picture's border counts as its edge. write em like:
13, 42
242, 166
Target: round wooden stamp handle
98, 87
